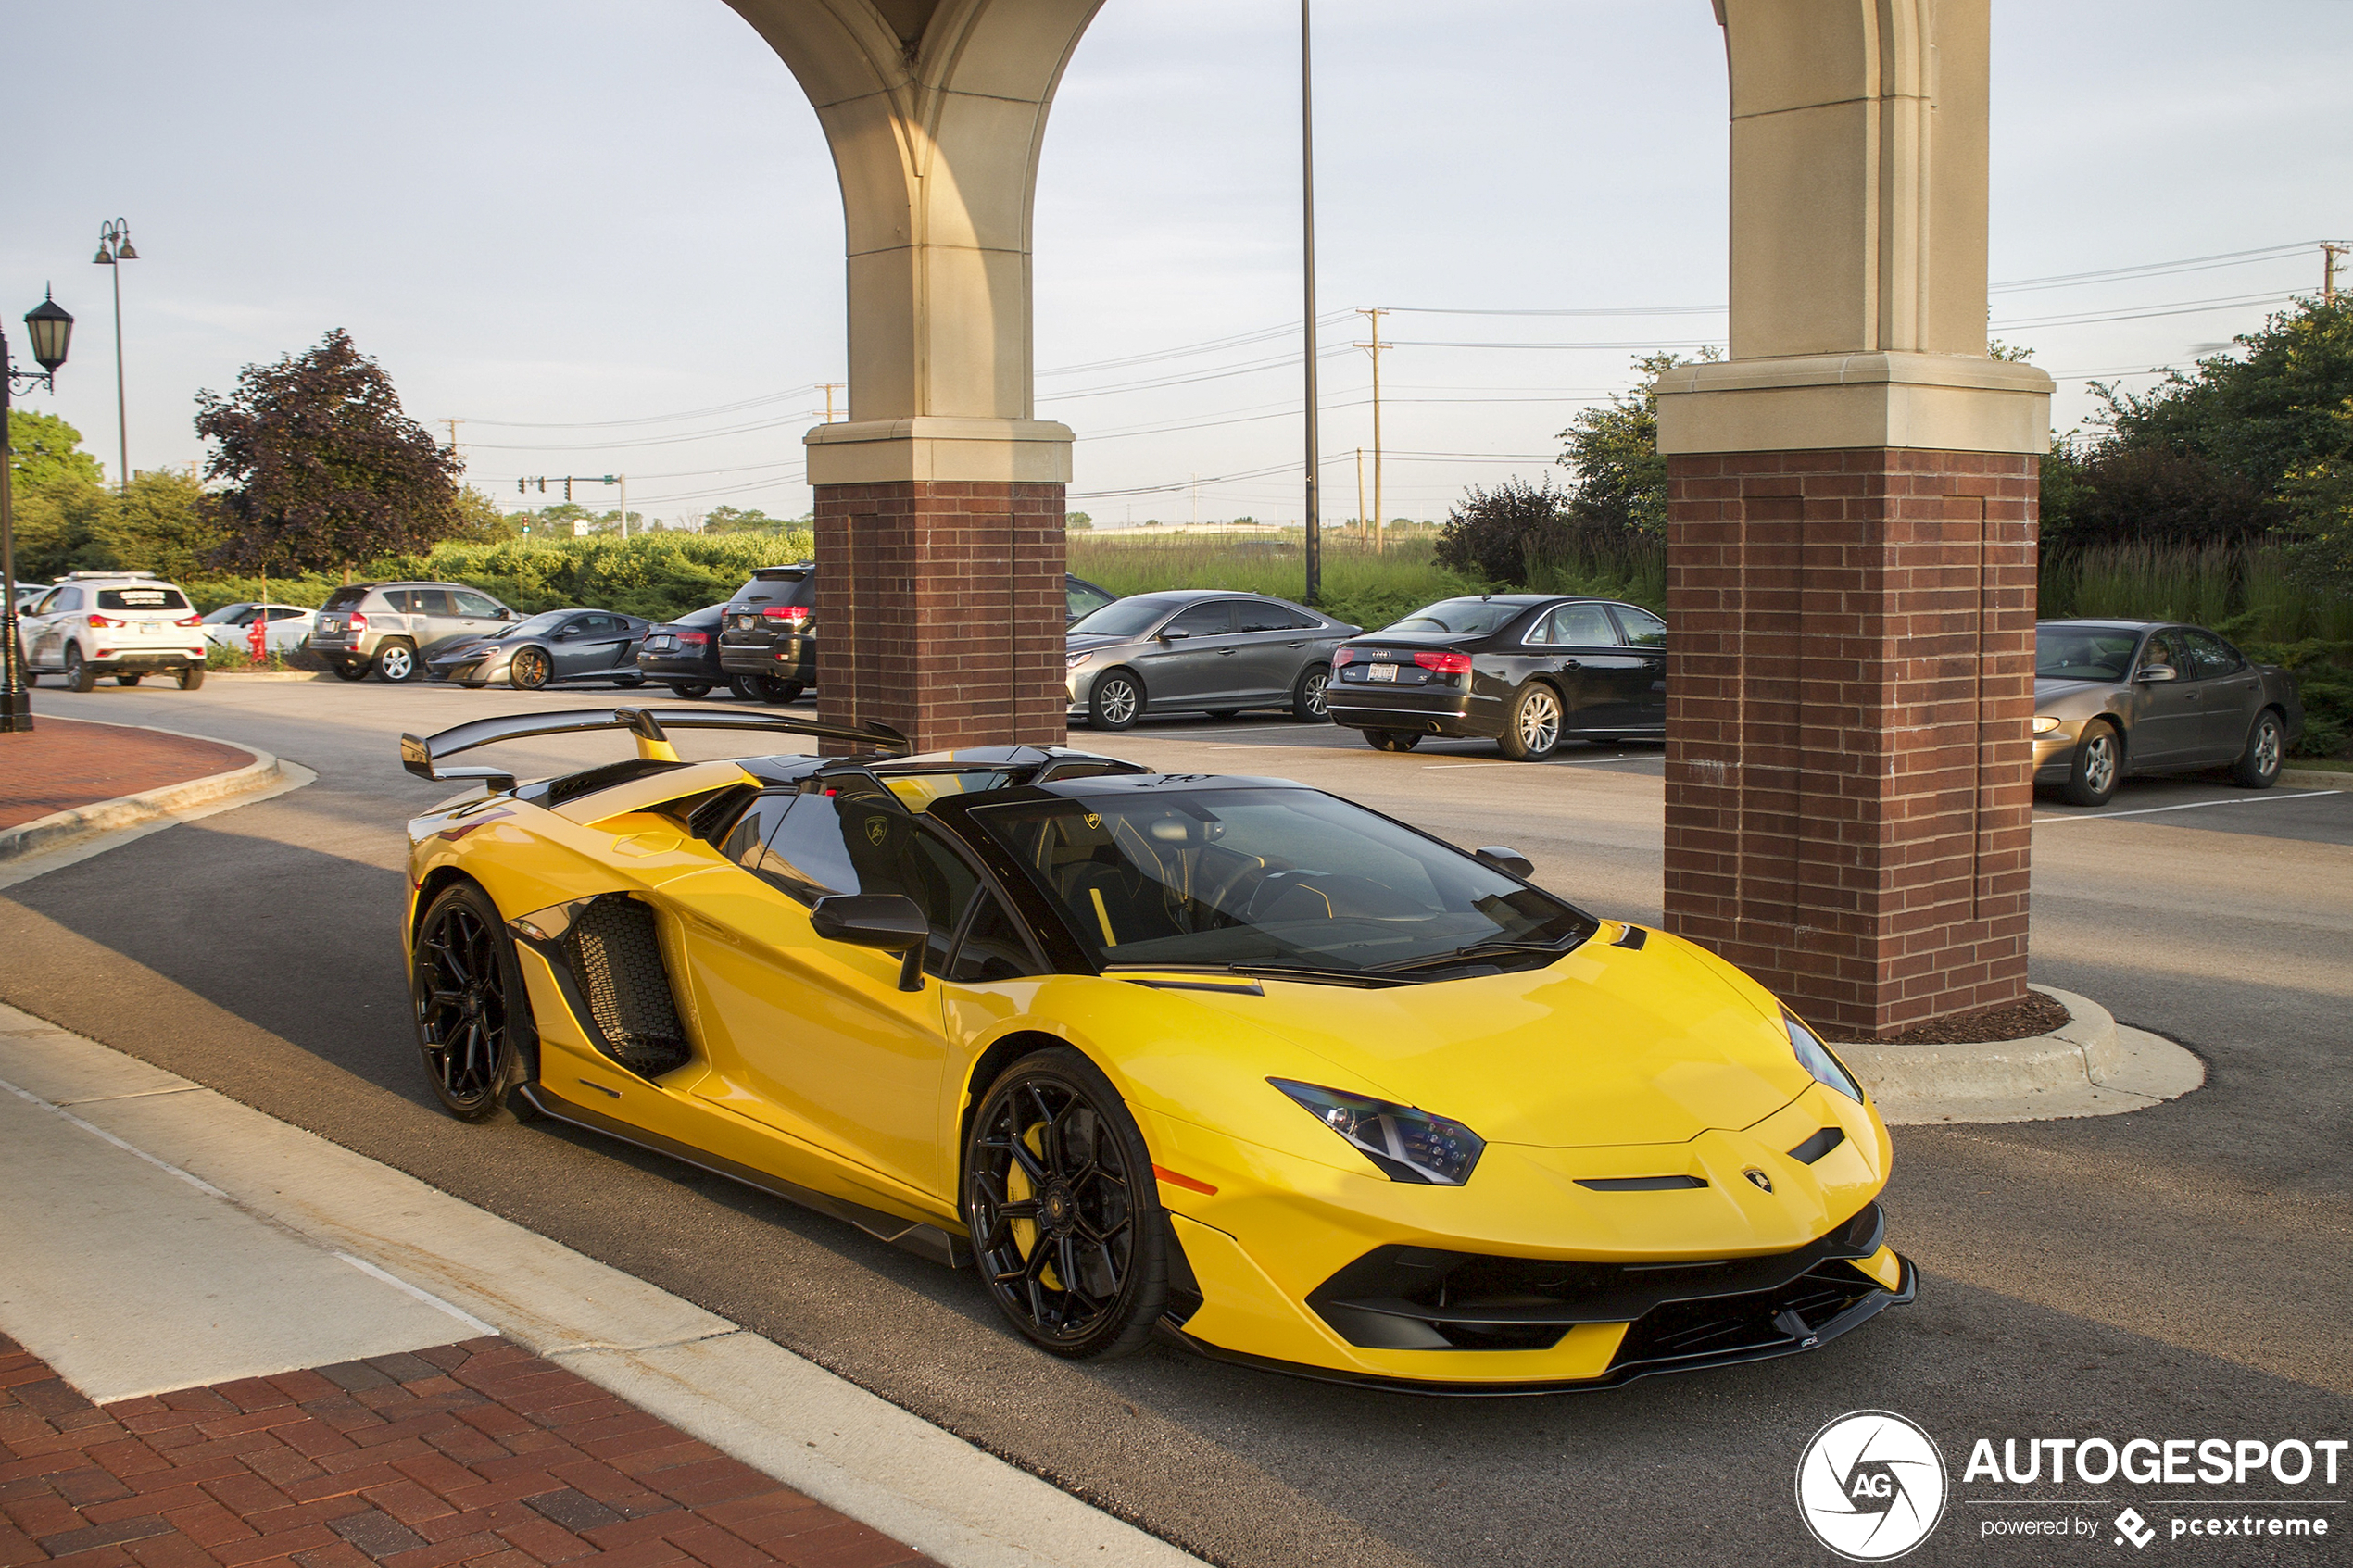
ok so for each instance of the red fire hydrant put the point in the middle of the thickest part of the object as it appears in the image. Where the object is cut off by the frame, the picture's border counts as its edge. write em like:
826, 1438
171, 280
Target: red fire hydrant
258, 636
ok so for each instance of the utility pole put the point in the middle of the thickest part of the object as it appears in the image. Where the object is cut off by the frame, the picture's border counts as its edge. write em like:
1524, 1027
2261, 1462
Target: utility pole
1196, 500
1314, 550
624, 505
830, 388
1374, 316
1359, 489
453, 425
2329, 253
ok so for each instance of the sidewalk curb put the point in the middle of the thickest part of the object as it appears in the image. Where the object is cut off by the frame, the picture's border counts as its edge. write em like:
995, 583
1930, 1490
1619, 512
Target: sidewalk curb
2092, 1066
61, 828
708, 1377
2316, 778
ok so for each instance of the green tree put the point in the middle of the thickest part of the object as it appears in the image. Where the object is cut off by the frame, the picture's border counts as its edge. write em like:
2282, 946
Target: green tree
46, 451
479, 522
1621, 478
1495, 534
163, 525
747, 520
322, 469
1074, 521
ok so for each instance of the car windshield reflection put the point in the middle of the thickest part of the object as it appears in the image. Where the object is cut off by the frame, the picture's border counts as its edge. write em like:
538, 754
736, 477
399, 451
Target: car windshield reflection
1462, 616
2083, 653
1269, 878
1129, 618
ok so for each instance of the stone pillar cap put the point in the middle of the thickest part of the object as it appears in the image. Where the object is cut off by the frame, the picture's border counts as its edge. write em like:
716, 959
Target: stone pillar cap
1814, 402
939, 449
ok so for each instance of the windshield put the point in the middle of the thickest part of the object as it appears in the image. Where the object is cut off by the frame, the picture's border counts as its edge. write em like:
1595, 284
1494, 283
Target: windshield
2083, 653
1265, 878
1468, 617
1129, 618
539, 625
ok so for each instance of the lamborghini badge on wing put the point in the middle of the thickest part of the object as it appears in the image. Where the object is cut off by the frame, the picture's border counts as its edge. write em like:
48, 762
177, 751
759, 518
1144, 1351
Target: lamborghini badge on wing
1229, 1060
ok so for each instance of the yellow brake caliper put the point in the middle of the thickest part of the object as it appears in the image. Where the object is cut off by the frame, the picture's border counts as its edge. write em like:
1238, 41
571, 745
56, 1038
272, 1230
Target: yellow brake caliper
1018, 1190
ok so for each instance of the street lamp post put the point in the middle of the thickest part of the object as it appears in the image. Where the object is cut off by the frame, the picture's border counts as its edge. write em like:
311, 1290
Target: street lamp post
1314, 550
51, 331
114, 249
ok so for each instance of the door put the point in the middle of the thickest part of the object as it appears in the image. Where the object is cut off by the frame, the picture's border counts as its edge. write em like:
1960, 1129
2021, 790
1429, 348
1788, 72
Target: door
43, 632
1274, 642
815, 1038
1602, 679
1191, 662
1646, 634
2230, 693
589, 645
477, 615
2167, 719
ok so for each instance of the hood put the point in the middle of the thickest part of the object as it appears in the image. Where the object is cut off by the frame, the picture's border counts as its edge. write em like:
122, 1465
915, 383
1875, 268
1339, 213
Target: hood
1090, 641
2044, 688
1608, 1046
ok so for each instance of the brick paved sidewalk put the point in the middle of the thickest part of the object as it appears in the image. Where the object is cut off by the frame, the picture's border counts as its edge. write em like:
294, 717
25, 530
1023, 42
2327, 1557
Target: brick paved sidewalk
63, 765
473, 1453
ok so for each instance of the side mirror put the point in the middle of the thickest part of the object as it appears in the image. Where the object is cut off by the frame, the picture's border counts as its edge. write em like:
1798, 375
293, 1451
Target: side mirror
2156, 672
505, 614
1174, 633
1506, 858
891, 922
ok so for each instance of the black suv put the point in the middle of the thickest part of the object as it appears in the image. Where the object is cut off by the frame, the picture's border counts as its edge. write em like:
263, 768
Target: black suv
767, 646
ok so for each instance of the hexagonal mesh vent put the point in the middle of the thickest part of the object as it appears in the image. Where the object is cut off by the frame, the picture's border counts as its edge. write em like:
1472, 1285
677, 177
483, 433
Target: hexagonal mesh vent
617, 958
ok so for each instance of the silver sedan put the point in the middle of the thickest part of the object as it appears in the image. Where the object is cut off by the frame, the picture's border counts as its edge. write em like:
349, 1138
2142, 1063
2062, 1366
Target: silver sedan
2114, 698
1201, 651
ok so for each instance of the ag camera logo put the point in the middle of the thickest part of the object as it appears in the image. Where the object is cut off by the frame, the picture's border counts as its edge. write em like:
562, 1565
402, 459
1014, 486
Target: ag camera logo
1870, 1485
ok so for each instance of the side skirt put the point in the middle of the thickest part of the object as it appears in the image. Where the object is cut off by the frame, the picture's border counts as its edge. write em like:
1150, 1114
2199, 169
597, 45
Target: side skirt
913, 1235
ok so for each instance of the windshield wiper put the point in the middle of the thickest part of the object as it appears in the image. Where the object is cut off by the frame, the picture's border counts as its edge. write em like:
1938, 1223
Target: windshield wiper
1474, 953
1273, 969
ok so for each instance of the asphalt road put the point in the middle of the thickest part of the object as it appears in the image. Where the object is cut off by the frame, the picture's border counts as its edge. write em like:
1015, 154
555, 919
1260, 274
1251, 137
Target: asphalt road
2184, 1271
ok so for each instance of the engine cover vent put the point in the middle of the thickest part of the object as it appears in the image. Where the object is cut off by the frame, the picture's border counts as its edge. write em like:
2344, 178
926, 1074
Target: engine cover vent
616, 956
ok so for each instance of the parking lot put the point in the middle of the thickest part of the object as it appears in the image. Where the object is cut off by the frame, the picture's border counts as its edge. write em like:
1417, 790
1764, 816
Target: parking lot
2176, 1272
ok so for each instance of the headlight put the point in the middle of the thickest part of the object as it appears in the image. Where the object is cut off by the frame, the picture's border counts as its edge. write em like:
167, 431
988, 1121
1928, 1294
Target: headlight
1408, 1145
1076, 660
1815, 1057
2045, 724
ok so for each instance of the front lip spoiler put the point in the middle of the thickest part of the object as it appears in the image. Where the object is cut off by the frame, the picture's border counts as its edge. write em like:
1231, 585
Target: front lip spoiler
1616, 1376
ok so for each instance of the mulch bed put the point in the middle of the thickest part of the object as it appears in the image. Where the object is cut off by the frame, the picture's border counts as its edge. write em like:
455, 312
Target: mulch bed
2036, 1015
62, 764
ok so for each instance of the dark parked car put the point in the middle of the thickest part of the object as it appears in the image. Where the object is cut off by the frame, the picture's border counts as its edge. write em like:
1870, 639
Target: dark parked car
685, 652
768, 649
547, 650
2114, 698
1200, 650
1528, 670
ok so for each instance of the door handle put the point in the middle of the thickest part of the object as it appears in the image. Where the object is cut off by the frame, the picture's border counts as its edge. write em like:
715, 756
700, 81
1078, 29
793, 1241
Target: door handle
1226, 653
1298, 644
1570, 664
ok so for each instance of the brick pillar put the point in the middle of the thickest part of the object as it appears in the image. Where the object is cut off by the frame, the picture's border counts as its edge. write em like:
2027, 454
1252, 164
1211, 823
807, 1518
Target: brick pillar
1848, 759
939, 609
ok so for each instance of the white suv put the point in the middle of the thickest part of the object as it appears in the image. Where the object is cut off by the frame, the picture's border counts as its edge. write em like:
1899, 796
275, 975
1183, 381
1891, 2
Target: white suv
120, 623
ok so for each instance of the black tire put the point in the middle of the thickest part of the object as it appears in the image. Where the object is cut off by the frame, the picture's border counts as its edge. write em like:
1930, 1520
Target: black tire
2259, 765
80, 677
396, 660
781, 691
1533, 724
1391, 740
530, 669
1310, 694
628, 683
690, 690
472, 1016
129, 678
769, 689
350, 668
1117, 702
2099, 764
1064, 1212
191, 677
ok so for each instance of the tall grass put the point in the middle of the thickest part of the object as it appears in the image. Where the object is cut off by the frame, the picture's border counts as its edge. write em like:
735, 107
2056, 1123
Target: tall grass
2245, 592
1617, 565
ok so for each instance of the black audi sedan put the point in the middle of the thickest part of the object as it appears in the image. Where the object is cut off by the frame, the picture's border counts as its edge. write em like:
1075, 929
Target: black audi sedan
1528, 670
683, 654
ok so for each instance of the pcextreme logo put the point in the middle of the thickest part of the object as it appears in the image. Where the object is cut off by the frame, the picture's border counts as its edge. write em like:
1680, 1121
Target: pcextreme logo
1870, 1485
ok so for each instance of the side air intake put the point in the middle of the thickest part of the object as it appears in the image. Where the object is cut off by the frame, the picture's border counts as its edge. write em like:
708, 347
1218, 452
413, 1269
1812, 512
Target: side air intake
616, 955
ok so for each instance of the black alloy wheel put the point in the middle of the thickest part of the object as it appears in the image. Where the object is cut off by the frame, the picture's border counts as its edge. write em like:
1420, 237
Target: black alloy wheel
80, 677
1064, 1210
473, 1019
529, 668
1116, 701
1391, 740
2099, 763
2259, 765
690, 690
1310, 694
351, 669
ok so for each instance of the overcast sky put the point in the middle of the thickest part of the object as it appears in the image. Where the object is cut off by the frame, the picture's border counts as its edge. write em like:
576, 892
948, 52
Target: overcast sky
546, 216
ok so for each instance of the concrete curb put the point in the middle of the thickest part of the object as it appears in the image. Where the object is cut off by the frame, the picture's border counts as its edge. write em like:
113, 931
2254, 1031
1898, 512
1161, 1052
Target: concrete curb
2092, 1066
267, 675
60, 828
2316, 778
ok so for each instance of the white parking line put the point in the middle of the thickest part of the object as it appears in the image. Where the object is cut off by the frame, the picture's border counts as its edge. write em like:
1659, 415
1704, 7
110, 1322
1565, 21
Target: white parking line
2191, 806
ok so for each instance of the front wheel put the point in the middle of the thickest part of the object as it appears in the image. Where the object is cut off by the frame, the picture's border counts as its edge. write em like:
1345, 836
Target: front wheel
2259, 765
1116, 701
2099, 762
1391, 740
690, 690
397, 662
1310, 694
473, 1020
529, 670
1533, 728
1064, 1210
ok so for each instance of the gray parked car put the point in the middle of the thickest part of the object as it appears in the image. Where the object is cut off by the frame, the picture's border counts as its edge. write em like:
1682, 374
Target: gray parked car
1200, 650
2118, 697
392, 628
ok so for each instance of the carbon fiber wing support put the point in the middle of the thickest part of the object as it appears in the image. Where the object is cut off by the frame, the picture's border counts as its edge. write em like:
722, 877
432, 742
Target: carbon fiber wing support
424, 755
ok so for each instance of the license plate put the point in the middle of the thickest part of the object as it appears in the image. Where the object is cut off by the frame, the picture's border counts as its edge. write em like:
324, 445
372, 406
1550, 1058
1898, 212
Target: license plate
658, 644
1382, 673
151, 626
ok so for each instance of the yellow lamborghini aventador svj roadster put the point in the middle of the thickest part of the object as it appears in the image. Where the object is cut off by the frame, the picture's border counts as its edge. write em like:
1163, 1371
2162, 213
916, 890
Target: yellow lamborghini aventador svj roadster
1227, 1059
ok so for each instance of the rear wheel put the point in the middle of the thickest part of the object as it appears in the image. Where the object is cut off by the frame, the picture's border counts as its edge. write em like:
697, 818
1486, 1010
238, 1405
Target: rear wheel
1391, 740
1063, 1208
2259, 765
1309, 692
80, 677
473, 1020
529, 670
396, 660
1116, 701
1533, 728
2099, 762
690, 689
191, 677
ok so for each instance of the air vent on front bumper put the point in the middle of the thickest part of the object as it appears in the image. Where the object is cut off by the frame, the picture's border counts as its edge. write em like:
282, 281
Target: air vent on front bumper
1822, 1143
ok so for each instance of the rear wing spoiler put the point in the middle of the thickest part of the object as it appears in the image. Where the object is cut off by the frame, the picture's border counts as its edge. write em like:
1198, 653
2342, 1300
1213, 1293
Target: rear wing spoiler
423, 755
